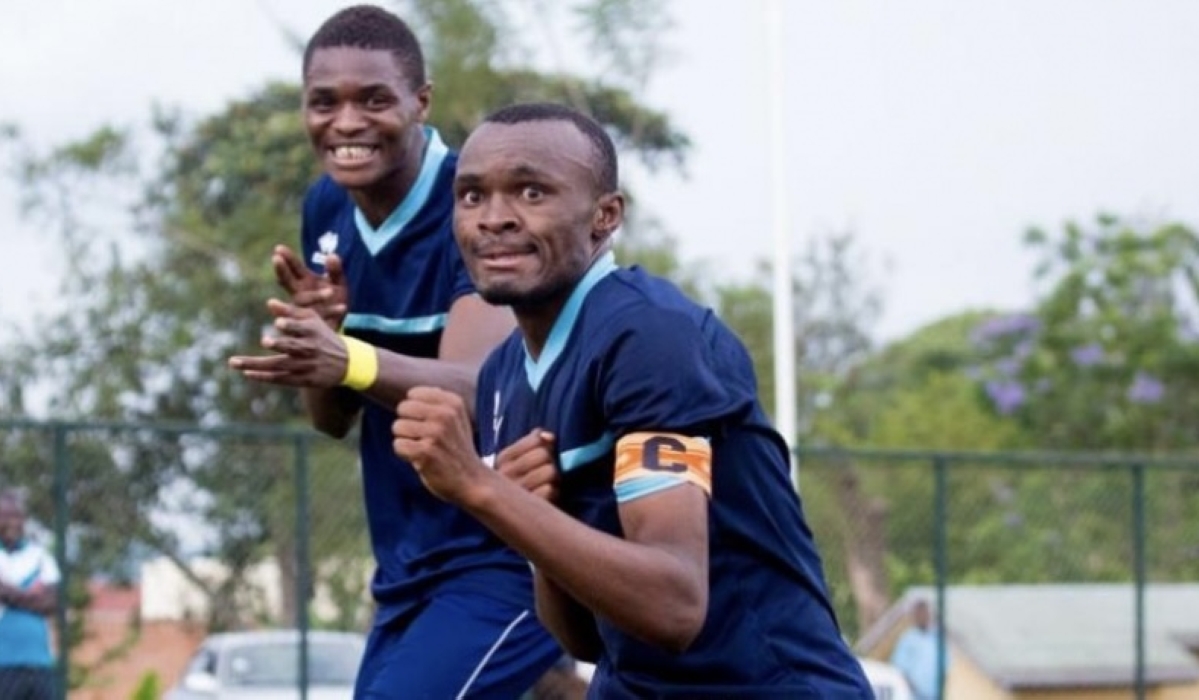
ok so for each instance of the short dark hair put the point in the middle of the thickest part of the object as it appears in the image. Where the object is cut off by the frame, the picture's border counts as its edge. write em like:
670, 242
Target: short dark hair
373, 28
607, 175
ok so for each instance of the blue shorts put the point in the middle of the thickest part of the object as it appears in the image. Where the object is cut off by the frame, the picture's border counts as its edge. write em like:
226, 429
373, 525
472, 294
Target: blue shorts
457, 646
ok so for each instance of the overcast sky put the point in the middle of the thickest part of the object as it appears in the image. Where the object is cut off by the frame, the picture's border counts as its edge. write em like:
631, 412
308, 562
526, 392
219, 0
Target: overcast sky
936, 130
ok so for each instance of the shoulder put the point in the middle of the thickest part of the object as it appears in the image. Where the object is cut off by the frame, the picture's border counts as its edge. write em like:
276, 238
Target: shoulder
324, 200
631, 297
324, 189
509, 353
632, 305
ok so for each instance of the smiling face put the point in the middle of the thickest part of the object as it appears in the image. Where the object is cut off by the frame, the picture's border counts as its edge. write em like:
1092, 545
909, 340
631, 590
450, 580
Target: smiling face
528, 213
363, 116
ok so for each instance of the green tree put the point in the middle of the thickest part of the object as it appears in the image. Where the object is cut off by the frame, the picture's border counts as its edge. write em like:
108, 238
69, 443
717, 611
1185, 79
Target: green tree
876, 518
169, 268
1108, 360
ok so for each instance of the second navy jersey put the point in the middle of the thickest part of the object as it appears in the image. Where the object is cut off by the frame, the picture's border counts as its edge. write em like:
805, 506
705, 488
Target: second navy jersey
402, 278
629, 353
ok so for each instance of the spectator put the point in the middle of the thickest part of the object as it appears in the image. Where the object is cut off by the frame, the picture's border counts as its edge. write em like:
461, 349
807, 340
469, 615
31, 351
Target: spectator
916, 654
29, 579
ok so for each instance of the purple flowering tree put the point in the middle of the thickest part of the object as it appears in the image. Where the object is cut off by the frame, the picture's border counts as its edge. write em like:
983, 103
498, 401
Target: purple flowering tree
1108, 358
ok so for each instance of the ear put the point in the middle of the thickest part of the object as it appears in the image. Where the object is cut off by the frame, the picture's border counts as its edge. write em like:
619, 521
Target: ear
609, 215
424, 100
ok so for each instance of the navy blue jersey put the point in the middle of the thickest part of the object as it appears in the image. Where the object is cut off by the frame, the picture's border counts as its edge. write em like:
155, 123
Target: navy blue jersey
629, 354
403, 278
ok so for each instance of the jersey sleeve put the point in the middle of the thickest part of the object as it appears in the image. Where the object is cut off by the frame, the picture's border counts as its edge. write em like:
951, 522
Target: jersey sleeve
663, 374
665, 399
456, 274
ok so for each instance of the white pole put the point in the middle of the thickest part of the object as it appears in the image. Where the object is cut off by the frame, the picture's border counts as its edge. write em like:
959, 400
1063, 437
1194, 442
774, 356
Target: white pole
784, 315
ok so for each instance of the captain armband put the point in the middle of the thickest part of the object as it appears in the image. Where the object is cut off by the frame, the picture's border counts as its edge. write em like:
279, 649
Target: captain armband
650, 462
362, 364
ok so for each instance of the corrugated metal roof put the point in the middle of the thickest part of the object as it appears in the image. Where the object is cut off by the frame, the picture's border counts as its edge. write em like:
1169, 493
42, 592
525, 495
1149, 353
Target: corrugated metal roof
1056, 635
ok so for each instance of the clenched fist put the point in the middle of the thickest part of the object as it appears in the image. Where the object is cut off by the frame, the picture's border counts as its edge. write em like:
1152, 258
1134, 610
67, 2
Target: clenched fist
433, 431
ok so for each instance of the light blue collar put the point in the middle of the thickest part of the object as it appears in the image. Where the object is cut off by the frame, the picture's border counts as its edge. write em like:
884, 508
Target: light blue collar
375, 239
536, 370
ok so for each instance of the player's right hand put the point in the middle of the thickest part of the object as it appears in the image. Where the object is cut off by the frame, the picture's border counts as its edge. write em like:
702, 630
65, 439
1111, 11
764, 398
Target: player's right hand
325, 294
530, 462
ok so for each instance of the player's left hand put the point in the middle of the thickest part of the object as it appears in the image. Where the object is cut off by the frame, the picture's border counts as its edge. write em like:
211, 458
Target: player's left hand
327, 294
308, 352
433, 432
530, 462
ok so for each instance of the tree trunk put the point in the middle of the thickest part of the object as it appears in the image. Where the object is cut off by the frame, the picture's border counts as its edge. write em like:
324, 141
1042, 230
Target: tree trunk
865, 546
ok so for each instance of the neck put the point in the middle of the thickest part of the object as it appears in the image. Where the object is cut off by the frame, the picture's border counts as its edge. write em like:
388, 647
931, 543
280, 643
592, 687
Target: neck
379, 200
536, 321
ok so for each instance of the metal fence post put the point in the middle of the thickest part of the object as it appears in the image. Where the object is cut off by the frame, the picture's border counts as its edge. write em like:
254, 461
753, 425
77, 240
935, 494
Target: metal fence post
303, 585
1138, 558
940, 555
62, 520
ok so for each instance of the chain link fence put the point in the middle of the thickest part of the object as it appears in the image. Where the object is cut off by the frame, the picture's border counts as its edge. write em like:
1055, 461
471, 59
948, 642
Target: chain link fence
1045, 573
166, 534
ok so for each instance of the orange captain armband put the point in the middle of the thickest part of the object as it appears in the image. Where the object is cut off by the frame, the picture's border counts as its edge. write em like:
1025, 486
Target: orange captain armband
650, 462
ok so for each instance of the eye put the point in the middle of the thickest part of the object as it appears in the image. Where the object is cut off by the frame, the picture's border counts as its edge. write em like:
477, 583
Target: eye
378, 101
470, 197
320, 103
532, 193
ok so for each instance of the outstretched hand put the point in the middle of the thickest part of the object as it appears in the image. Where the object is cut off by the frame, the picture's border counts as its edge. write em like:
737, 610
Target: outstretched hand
530, 462
308, 352
326, 294
433, 432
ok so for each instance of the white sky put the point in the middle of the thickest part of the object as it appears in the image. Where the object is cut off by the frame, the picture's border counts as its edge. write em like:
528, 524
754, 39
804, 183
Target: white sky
937, 130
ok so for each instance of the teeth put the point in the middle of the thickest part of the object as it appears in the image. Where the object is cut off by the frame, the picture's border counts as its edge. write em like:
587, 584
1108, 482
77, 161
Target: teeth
353, 152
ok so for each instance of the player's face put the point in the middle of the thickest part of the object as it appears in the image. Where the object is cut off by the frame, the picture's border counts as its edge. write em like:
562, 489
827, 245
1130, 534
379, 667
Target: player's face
12, 522
362, 115
527, 214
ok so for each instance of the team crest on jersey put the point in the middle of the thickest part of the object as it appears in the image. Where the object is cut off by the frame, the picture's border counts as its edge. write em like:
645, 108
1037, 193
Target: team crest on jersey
327, 244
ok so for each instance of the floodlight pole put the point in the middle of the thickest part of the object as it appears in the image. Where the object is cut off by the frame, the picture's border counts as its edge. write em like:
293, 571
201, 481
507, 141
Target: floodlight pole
785, 402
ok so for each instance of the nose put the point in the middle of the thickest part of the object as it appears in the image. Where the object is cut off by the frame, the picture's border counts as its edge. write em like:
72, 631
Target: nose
348, 119
498, 217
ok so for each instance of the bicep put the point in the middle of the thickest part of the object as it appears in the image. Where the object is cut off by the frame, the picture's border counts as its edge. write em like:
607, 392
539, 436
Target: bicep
473, 329
673, 520
662, 482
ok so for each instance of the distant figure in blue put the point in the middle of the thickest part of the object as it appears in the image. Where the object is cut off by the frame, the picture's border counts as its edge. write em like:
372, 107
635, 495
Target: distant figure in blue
380, 302
29, 579
673, 550
915, 653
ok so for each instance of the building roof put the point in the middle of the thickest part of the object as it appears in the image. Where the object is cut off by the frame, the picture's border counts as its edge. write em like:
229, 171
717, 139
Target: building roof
1063, 635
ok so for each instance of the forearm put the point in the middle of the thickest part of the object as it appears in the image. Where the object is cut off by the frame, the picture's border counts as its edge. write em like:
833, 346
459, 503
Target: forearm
571, 624
41, 600
647, 591
400, 373
331, 410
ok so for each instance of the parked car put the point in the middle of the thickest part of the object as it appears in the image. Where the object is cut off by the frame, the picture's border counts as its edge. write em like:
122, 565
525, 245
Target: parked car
888, 682
265, 665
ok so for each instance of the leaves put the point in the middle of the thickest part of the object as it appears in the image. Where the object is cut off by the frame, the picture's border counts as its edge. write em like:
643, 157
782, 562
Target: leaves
168, 232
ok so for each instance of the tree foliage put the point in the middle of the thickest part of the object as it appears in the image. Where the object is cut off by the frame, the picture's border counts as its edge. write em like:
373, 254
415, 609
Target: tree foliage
168, 232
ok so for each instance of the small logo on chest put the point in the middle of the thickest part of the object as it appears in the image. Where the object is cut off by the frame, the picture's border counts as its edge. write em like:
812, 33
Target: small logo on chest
327, 244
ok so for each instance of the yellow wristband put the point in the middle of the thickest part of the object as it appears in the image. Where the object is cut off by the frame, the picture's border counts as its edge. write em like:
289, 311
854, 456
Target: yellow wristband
362, 364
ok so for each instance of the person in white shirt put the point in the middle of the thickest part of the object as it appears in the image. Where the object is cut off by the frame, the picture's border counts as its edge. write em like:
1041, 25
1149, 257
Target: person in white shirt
29, 579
